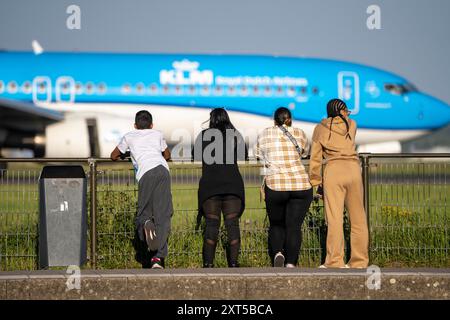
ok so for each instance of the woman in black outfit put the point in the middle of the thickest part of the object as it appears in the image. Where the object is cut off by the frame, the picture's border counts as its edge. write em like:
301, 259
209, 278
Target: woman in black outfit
221, 188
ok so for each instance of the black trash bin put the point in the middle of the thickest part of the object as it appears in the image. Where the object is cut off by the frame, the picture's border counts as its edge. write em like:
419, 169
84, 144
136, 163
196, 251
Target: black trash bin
62, 217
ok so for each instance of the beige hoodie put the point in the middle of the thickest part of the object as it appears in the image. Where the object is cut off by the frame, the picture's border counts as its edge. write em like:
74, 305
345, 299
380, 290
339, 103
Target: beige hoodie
339, 145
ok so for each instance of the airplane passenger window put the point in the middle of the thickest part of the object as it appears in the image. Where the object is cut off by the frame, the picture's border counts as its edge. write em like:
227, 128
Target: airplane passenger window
267, 90
140, 88
153, 88
218, 89
41, 88
315, 90
12, 87
78, 88
89, 88
65, 88
26, 87
291, 91
166, 89
303, 90
126, 88
231, 90
2, 86
205, 89
279, 89
243, 90
255, 90
191, 89
101, 87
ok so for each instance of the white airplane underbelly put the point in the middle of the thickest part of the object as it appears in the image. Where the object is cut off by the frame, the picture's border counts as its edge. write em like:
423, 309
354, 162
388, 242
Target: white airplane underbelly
180, 126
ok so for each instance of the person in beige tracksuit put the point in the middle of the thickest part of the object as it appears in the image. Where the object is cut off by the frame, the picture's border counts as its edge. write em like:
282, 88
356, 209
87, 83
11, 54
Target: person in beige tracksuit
334, 142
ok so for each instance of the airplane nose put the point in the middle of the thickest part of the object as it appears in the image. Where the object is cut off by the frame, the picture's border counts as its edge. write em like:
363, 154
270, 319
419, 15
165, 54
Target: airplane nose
434, 111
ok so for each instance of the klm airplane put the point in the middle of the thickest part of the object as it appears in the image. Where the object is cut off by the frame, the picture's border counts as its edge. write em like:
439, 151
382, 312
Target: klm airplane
80, 104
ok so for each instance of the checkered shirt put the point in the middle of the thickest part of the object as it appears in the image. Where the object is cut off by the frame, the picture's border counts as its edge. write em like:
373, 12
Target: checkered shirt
284, 170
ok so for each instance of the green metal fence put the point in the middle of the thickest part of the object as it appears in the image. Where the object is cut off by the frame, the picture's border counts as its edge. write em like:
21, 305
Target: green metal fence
406, 198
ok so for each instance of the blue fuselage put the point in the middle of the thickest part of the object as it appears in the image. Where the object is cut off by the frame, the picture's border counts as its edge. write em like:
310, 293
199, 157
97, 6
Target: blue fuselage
250, 84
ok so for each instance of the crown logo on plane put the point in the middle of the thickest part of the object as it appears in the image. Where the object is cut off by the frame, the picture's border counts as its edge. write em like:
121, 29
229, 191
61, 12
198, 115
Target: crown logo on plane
185, 65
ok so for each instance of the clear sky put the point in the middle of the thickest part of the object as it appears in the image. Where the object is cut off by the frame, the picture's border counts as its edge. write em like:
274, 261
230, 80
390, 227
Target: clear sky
413, 41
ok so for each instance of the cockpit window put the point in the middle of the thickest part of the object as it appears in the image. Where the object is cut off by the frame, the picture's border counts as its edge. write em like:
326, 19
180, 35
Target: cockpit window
410, 87
397, 88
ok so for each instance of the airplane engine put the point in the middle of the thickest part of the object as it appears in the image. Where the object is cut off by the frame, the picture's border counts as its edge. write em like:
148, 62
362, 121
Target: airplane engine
68, 138
23, 143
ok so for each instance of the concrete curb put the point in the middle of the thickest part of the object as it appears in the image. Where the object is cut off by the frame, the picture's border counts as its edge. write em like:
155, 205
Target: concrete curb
227, 284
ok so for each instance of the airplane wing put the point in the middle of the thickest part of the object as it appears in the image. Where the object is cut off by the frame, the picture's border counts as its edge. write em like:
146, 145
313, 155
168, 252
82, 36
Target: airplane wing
21, 122
23, 116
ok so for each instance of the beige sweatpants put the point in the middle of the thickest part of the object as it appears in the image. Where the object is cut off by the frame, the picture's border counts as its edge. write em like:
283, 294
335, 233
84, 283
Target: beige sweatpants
342, 185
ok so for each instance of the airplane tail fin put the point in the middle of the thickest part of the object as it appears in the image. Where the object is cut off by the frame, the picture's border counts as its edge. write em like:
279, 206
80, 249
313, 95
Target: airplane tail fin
37, 48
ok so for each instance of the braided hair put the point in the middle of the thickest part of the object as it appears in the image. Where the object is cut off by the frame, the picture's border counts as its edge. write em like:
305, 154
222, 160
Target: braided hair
334, 108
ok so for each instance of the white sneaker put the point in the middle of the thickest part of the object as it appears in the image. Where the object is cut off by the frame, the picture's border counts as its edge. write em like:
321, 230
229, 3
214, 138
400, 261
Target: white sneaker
278, 261
290, 265
325, 267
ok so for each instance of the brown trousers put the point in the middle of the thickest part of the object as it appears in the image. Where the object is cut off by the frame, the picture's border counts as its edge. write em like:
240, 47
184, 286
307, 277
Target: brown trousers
342, 185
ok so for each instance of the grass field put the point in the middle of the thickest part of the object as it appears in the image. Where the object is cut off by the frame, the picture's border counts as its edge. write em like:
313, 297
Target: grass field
409, 220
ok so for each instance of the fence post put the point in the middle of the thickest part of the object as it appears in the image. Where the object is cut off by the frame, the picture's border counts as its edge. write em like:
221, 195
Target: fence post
93, 210
365, 177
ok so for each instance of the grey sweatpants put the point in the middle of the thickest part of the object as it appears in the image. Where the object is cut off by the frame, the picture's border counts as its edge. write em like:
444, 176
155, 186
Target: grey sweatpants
155, 203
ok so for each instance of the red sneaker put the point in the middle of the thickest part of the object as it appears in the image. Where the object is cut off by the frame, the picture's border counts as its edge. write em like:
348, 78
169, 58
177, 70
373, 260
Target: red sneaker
156, 263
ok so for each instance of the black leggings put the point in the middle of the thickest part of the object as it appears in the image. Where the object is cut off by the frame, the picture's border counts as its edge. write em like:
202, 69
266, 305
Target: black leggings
230, 205
286, 211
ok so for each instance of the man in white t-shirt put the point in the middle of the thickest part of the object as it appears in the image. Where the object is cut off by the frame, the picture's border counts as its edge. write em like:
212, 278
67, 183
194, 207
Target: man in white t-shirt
149, 154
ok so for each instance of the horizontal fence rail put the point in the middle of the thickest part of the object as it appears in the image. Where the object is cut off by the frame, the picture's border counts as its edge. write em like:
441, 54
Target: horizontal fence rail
406, 198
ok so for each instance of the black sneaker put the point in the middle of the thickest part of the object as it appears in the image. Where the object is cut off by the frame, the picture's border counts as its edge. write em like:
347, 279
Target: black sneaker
157, 263
150, 235
278, 261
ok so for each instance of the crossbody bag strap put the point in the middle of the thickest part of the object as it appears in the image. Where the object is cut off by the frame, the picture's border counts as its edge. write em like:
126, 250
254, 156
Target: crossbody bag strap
289, 135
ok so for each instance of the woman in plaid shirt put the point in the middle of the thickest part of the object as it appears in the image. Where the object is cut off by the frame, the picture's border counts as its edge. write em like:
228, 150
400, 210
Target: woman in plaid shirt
288, 192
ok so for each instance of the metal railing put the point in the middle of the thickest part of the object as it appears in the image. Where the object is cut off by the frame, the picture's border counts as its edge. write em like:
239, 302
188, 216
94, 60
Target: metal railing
406, 197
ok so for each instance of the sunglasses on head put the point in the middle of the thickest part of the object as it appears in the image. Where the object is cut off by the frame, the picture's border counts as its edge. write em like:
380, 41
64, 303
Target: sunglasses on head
346, 111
